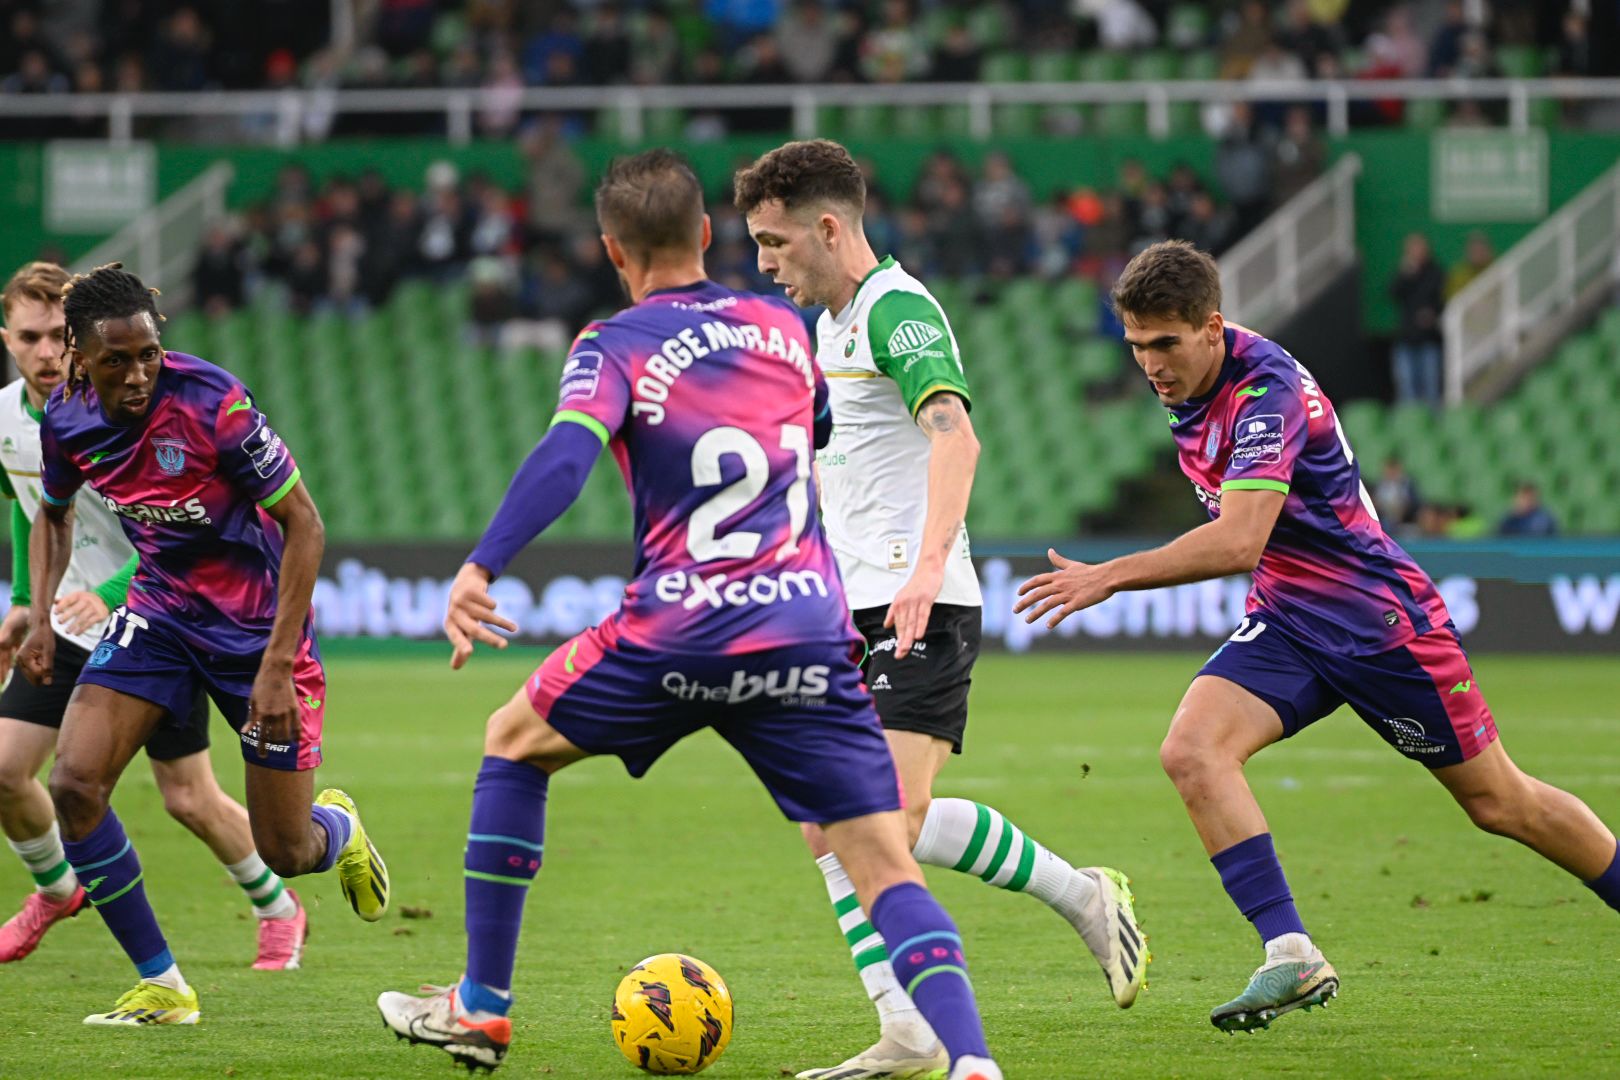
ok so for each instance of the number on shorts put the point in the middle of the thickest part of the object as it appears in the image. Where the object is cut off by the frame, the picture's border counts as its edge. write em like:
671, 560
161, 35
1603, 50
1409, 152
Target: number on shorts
1247, 630
132, 622
703, 541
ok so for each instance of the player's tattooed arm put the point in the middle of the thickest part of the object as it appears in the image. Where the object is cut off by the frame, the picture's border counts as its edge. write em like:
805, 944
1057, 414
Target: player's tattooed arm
953, 455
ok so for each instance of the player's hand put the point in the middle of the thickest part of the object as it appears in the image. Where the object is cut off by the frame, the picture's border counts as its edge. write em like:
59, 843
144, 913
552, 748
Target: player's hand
80, 611
1071, 587
909, 611
37, 657
272, 707
471, 614
13, 628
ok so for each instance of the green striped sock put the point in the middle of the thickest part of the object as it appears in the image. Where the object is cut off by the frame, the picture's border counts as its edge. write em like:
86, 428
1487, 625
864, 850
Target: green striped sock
47, 863
265, 889
897, 1016
972, 838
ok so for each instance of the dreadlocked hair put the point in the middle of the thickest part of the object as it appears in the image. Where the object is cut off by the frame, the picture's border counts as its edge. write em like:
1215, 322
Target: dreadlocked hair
107, 292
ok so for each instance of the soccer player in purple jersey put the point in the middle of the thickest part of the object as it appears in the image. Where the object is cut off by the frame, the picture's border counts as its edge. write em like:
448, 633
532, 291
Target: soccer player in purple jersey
711, 404
229, 543
96, 583
1339, 614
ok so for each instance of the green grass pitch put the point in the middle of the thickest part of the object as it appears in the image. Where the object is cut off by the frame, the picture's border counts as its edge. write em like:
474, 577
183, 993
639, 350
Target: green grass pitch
1460, 954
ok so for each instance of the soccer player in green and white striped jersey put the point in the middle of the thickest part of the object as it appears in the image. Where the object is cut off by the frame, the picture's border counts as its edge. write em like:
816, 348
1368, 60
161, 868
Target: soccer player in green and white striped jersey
97, 579
895, 480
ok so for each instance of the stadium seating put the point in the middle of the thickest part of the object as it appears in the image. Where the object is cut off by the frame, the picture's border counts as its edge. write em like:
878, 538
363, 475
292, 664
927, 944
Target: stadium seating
1062, 422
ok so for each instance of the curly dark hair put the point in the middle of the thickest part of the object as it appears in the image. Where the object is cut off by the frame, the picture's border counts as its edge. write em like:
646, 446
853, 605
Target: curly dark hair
811, 172
651, 201
1171, 278
107, 292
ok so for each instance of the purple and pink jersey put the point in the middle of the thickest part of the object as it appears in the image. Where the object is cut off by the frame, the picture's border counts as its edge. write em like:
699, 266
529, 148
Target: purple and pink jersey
187, 483
1329, 576
704, 396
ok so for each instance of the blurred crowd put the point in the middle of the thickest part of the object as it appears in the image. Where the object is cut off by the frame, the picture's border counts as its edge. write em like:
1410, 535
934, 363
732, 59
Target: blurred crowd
536, 268
499, 47
1405, 512
1421, 289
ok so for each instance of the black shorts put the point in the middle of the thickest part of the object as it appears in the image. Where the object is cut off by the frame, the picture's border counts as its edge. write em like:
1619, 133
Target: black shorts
175, 737
926, 692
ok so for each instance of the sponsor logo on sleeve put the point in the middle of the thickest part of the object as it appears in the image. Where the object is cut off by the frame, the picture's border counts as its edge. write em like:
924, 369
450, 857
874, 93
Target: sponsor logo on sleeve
1259, 441
912, 336
580, 376
265, 449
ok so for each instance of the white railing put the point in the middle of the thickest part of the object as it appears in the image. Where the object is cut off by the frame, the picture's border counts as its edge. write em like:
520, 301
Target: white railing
161, 246
1542, 276
283, 113
1294, 252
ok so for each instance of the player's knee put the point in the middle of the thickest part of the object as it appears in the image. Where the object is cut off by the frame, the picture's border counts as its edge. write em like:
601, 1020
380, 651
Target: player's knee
288, 856
916, 814
186, 804
1497, 813
1181, 758
815, 839
80, 798
14, 781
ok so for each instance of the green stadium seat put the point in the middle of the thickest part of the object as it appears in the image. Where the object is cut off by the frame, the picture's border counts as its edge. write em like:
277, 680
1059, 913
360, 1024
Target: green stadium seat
1154, 66
1204, 64
1005, 67
916, 122
1051, 67
1103, 65
867, 121
1424, 113
1521, 61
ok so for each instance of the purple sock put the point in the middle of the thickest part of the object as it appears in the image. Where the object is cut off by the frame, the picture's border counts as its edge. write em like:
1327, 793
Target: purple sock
1607, 884
338, 826
504, 844
1254, 880
927, 957
107, 865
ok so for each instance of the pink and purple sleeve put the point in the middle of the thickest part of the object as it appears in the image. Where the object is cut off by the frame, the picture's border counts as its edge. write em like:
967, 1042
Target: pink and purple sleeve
250, 454
1268, 434
60, 479
591, 408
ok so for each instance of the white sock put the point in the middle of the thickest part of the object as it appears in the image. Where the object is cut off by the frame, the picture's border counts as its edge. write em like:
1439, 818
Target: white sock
264, 888
960, 834
48, 864
171, 978
1289, 947
898, 1018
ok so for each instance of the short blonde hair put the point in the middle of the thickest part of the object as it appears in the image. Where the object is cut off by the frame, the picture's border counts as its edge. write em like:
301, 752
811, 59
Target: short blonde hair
42, 282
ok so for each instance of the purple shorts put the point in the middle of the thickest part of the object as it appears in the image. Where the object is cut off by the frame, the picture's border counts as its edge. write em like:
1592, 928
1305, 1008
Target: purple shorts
1421, 697
799, 715
143, 656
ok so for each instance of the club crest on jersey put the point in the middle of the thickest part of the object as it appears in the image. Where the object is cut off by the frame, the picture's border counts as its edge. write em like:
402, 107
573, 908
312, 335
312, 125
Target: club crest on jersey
171, 455
1212, 444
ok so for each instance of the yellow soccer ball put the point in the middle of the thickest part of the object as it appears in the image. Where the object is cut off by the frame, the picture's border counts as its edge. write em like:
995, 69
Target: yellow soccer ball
672, 1015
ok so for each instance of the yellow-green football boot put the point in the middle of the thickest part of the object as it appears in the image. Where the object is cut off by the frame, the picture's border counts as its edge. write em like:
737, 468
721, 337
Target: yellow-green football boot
362, 874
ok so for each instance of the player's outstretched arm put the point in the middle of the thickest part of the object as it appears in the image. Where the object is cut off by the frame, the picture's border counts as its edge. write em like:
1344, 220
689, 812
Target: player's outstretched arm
1231, 544
545, 485
953, 455
50, 547
274, 702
